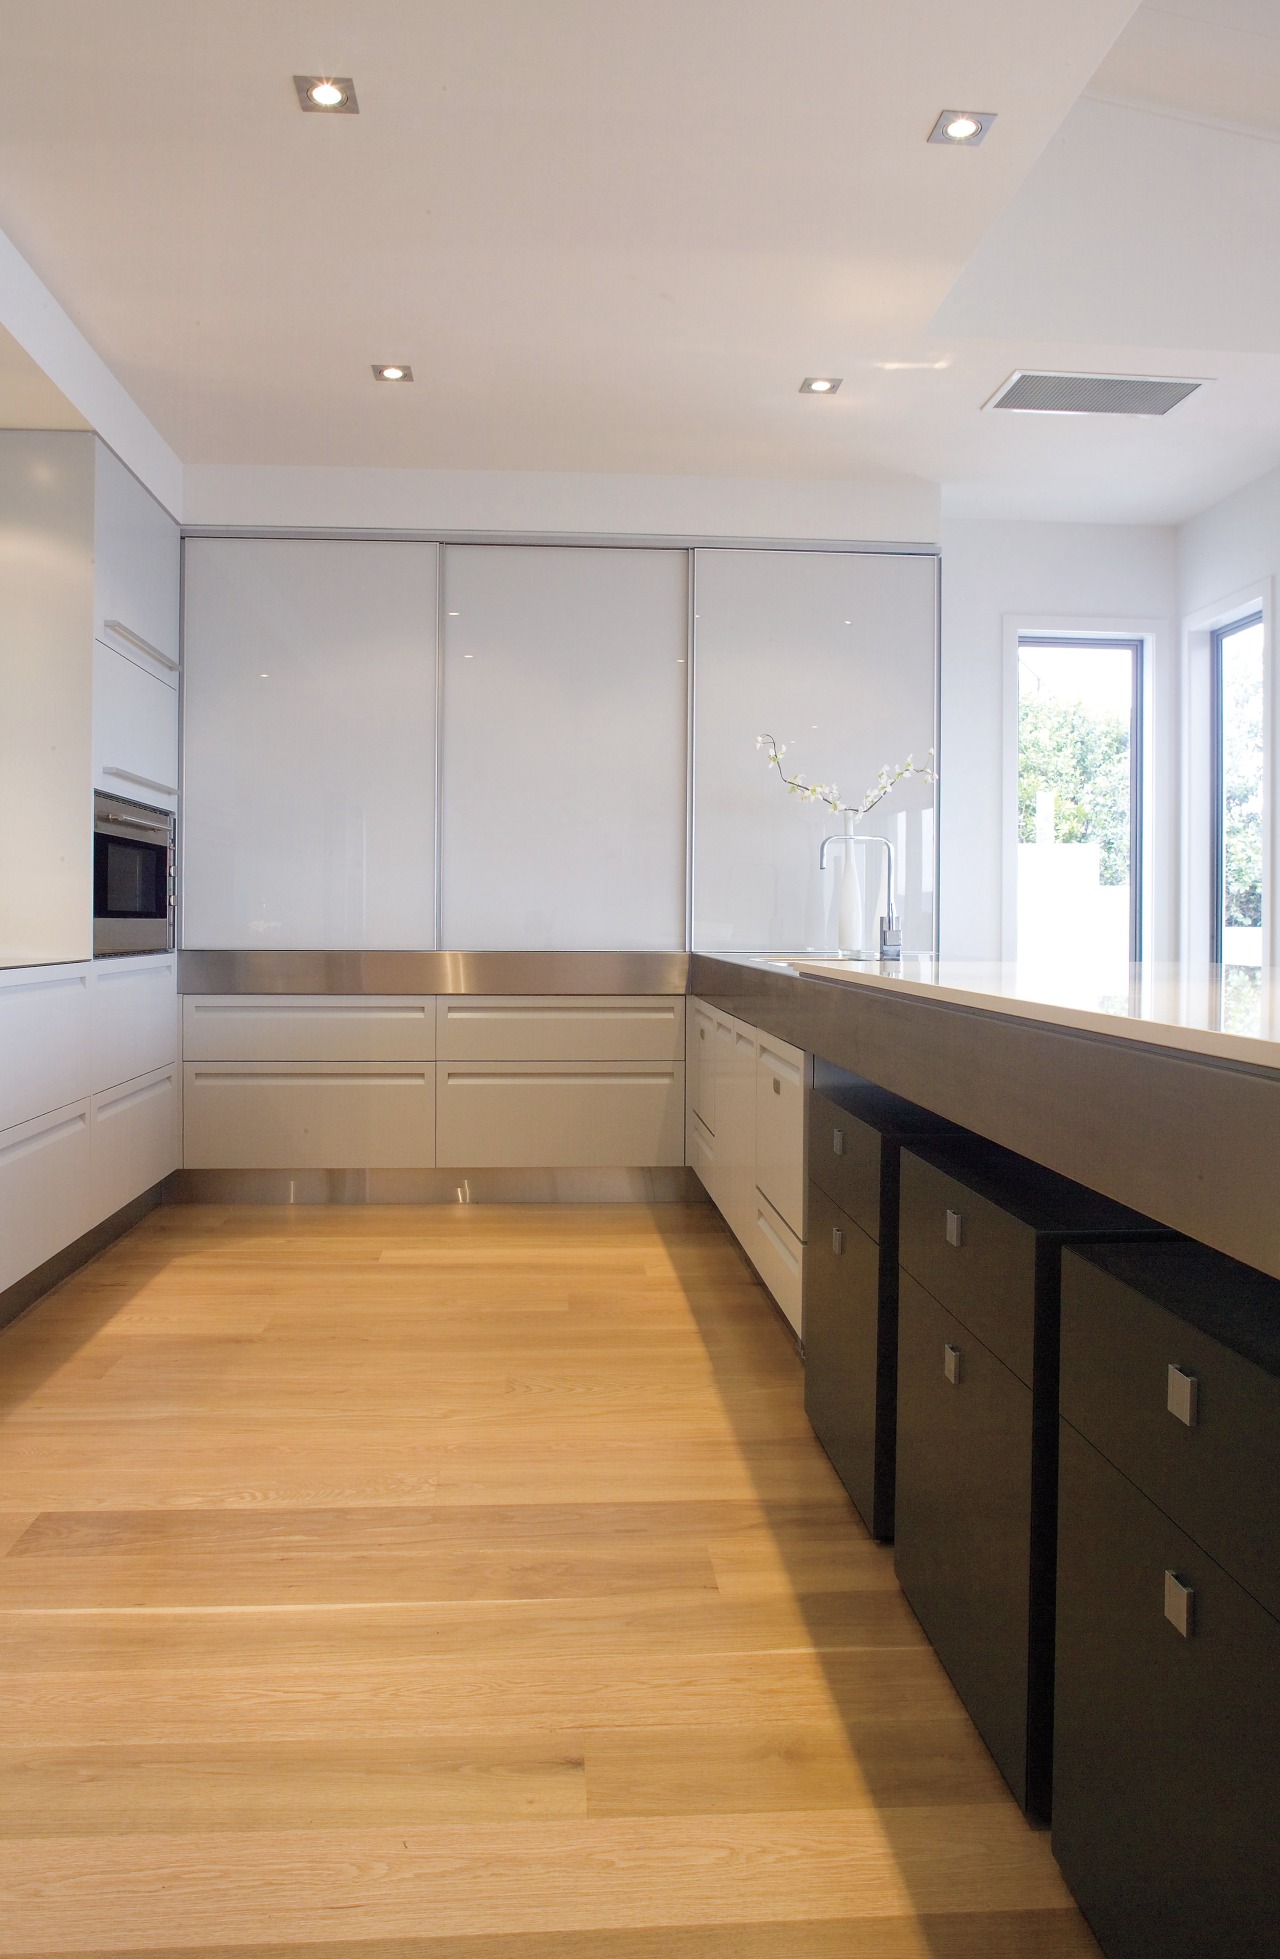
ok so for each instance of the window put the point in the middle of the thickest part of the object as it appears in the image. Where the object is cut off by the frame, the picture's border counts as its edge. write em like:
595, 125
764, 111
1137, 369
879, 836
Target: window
1079, 805
1238, 786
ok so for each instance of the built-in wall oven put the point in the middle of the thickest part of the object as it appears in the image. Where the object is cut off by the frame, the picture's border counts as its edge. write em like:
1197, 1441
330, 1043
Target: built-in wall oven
133, 877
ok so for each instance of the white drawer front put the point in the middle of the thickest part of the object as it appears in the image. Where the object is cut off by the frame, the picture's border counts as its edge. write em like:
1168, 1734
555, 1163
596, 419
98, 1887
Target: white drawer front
701, 1063
135, 730
134, 1017
596, 1028
702, 1157
778, 1257
308, 1116
133, 1139
780, 1128
44, 1189
308, 1027
44, 1040
560, 1115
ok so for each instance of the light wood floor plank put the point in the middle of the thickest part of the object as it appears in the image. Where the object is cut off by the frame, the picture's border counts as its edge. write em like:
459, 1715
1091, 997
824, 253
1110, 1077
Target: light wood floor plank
464, 1583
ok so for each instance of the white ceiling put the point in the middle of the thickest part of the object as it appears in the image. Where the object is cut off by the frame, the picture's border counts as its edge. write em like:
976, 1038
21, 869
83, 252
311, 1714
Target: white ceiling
614, 238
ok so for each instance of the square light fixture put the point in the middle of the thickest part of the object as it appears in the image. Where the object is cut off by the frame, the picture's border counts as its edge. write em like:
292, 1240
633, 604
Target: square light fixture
393, 371
820, 384
327, 95
961, 128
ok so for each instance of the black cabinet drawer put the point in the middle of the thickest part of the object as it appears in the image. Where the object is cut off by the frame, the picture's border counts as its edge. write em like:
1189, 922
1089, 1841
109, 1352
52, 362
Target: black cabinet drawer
1212, 1459
845, 1161
850, 1357
965, 1555
1167, 1766
973, 1256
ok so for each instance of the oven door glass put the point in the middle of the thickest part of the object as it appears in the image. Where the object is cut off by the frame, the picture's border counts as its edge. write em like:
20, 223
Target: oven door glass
130, 879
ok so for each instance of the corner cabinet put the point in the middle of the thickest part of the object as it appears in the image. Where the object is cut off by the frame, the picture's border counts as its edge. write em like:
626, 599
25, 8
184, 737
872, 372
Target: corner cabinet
745, 1140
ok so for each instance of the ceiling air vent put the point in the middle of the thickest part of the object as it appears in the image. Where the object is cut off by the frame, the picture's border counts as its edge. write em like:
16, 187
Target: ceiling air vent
1091, 394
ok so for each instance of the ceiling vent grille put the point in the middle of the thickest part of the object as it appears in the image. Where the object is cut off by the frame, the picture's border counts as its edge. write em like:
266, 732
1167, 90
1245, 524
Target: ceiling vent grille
1091, 394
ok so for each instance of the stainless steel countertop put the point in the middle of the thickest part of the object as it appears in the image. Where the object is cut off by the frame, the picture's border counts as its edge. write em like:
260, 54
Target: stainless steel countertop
432, 972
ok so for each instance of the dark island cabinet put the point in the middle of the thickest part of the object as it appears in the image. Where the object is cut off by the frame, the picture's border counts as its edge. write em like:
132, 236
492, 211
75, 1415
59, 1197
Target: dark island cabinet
981, 1240
1166, 1797
856, 1132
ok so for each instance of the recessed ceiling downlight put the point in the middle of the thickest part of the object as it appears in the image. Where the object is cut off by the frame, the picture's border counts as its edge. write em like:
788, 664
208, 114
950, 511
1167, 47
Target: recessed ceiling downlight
963, 128
327, 95
820, 384
395, 371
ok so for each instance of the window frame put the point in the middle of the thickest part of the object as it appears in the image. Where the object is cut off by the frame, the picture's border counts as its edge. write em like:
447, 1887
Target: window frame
1136, 644
1217, 779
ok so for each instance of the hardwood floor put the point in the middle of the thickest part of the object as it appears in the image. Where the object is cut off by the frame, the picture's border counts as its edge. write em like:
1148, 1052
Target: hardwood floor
464, 1584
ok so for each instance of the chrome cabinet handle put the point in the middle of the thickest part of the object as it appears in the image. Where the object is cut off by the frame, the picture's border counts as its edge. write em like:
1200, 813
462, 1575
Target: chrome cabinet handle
955, 1228
952, 1363
837, 1240
121, 631
143, 781
837, 1142
1179, 1604
1183, 1397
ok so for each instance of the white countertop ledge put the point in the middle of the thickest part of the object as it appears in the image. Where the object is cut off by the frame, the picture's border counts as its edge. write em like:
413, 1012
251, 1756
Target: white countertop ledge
1152, 1006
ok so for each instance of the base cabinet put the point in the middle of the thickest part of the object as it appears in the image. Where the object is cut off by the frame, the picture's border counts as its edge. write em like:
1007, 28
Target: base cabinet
965, 1527
850, 1370
745, 1138
308, 1115
133, 1140
1167, 1765
44, 1189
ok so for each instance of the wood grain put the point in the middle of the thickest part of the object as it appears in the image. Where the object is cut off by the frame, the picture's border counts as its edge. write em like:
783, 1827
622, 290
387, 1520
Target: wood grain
464, 1583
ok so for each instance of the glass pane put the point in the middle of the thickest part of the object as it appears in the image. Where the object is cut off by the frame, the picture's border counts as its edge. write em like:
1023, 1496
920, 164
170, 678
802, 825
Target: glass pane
1075, 721
1240, 653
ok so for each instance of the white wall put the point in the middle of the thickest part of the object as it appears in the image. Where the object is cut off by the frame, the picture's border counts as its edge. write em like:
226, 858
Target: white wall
1122, 575
1229, 546
887, 510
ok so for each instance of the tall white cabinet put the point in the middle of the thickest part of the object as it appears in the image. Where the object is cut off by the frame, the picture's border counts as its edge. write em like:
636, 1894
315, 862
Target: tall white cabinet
833, 654
89, 574
565, 708
309, 790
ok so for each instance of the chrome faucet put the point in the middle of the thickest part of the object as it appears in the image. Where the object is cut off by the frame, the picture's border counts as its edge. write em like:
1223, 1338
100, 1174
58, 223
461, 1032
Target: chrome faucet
890, 923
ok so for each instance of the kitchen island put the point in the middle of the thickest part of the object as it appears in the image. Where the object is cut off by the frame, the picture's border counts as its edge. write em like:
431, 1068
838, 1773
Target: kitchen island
1141, 1097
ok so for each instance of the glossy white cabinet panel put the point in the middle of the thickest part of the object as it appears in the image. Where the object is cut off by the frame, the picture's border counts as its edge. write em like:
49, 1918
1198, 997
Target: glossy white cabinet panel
44, 1188
136, 566
135, 730
306, 1027
559, 1115
309, 743
778, 1257
565, 711
308, 1115
46, 651
831, 653
133, 1139
736, 1098
701, 1063
702, 1157
134, 1015
44, 1040
778, 1089
579, 1028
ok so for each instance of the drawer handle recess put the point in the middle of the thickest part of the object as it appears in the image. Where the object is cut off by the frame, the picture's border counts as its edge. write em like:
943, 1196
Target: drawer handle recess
1183, 1400
952, 1363
955, 1228
1179, 1604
